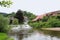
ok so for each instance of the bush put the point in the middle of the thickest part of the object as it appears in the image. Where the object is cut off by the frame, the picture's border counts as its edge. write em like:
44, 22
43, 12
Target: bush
46, 22
58, 17
4, 36
3, 24
15, 22
54, 22
45, 18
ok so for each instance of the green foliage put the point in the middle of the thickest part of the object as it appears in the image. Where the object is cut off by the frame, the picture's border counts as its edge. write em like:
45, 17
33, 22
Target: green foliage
51, 21
45, 19
3, 36
4, 14
58, 16
5, 3
54, 22
3, 24
15, 22
11, 14
19, 16
29, 15
10, 39
7, 14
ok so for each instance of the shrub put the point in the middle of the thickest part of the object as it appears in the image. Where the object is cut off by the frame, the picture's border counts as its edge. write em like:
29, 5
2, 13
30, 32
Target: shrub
54, 22
46, 22
45, 18
15, 22
3, 24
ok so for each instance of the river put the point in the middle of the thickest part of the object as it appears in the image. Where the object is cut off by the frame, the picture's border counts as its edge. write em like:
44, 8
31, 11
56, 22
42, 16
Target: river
31, 34
25, 32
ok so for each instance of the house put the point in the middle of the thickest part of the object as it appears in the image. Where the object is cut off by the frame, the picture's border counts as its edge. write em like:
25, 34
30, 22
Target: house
39, 17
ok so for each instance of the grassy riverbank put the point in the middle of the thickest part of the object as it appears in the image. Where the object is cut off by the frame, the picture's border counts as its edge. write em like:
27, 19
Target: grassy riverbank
3, 36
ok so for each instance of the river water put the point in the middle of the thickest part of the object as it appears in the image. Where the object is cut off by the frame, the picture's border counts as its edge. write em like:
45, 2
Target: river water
25, 32
31, 34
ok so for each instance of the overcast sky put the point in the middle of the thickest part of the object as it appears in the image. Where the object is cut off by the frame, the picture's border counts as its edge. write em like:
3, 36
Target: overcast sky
37, 7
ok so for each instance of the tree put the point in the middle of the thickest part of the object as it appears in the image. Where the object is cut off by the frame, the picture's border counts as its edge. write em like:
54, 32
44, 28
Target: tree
11, 14
29, 15
3, 24
19, 16
15, 22
5, 3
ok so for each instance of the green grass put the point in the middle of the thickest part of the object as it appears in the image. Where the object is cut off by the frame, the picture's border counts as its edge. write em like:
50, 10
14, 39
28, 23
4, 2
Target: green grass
3, 36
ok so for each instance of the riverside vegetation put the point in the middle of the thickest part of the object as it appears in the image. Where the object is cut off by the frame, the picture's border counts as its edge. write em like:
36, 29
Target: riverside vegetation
4, 28
5, 23
47, 21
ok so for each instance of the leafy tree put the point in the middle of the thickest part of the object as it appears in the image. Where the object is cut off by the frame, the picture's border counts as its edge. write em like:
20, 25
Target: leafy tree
29, 15
5, 3
58, 16
45, 18
47, 21
19, 16
54, 22
3, 24
11, 14
15, 22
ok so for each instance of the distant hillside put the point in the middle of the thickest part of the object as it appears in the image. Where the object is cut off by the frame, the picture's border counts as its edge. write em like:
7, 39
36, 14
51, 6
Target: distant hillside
4, 14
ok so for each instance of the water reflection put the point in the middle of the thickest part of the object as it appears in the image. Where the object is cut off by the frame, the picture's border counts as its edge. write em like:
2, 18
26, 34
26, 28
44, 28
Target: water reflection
44, 35
52, 33
36, 35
